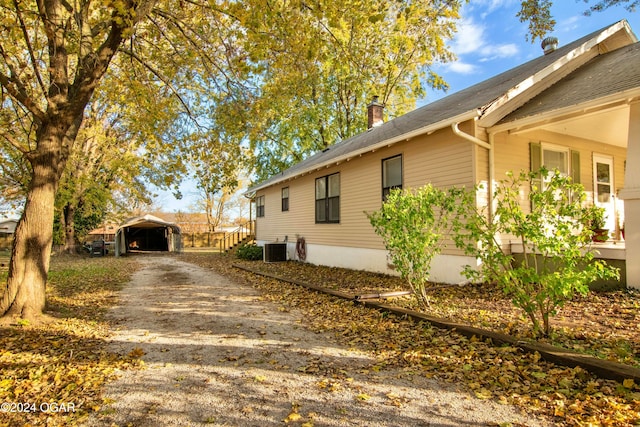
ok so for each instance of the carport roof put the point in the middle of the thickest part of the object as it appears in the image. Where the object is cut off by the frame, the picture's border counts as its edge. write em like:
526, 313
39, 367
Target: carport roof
149, 221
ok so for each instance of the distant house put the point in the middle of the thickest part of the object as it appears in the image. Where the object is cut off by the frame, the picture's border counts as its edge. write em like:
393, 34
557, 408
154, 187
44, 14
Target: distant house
8, 226
575, 108
7, 229
188, 222
107, 233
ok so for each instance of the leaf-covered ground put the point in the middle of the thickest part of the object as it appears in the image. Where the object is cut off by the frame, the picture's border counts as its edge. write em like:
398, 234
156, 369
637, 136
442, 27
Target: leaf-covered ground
52, 373
58, 368
602, 324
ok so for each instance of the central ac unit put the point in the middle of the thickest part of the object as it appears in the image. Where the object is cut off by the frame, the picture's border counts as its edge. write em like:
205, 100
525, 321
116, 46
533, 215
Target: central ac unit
275, 252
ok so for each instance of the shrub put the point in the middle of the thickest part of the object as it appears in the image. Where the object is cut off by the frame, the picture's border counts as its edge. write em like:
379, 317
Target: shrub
249, 252
413, 225
555, 234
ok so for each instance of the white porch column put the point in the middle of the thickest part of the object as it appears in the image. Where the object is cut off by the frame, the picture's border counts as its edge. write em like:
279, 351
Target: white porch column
631, 196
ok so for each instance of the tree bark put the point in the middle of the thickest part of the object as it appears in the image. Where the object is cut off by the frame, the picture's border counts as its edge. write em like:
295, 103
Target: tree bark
24, 295
56, 131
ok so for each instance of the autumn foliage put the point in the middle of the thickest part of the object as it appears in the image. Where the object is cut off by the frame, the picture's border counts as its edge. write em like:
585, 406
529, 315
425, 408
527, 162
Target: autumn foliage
551, 224
56, 370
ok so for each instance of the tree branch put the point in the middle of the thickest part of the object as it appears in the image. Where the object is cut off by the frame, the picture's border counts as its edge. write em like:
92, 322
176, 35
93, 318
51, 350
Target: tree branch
161, 78
17, 90
30, 50
13, 142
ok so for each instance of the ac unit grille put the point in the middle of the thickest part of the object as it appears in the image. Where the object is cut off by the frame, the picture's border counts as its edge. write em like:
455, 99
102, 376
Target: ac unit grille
275, 252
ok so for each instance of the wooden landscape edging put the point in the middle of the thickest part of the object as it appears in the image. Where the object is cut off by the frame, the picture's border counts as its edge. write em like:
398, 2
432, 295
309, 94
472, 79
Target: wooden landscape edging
603, 368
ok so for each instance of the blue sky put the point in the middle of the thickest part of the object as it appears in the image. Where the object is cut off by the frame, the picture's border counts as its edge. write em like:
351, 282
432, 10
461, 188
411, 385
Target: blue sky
490, 40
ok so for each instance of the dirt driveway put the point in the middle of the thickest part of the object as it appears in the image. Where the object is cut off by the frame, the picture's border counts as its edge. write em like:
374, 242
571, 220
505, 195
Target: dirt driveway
216, 354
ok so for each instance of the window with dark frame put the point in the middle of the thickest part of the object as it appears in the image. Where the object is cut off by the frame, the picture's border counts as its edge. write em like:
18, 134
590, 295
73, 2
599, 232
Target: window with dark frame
285, 199
328, 199
260, 206
391, 175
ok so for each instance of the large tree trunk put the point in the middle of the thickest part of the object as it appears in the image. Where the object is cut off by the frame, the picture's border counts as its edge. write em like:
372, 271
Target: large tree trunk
56, 128
24, 295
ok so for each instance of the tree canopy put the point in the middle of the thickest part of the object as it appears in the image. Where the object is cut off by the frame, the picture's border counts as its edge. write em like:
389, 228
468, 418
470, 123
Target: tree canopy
317, 65
537, 13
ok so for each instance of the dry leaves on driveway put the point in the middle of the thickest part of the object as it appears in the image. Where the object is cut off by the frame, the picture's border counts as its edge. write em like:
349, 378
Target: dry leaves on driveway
506, 374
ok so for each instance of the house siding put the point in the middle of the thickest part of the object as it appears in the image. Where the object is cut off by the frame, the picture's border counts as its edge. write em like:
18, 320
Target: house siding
442, 159
481, 173
517, 104
512, 154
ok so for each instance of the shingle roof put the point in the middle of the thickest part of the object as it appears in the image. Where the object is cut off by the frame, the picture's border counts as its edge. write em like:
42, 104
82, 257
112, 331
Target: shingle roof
609, 74
470, 101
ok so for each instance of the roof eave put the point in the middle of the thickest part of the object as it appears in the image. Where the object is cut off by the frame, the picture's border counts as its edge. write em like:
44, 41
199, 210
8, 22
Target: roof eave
469, 115
537, 120
511, 100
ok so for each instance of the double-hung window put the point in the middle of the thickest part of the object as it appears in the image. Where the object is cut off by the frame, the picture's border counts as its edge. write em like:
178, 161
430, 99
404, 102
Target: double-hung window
260, 206
555, 157
328, 199
391, 175
285, 199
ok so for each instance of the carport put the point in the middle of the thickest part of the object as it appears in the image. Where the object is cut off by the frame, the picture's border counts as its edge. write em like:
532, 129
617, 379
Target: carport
148, 234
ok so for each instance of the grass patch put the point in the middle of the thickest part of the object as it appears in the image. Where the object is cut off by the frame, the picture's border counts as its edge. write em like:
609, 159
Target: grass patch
53, 373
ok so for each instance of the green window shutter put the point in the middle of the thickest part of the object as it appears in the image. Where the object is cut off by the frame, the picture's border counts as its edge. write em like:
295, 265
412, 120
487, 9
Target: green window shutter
575, 169
575, 166
535, 153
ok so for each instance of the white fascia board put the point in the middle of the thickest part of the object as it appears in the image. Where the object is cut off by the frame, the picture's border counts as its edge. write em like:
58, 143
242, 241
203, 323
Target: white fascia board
565, 113
561, 67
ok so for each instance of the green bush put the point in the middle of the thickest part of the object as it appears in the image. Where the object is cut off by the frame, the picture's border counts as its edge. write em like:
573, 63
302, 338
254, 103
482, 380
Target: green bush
555, 234
414, 226
249, 252
553, 225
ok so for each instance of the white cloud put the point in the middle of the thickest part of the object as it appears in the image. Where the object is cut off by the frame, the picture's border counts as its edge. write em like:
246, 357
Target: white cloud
569, 24
469, 37
460, 67
491, 52
471, 41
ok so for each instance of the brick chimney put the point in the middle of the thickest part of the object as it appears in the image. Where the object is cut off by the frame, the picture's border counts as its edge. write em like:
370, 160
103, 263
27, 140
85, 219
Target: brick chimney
374, 113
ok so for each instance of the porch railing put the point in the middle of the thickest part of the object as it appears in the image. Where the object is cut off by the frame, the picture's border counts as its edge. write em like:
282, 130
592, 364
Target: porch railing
240, 235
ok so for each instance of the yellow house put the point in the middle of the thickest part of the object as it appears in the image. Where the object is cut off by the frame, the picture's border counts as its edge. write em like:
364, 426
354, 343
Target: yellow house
575, 108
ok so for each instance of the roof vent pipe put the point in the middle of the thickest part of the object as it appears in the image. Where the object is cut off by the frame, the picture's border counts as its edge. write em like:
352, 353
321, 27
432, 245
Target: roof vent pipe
549, 45
374, 113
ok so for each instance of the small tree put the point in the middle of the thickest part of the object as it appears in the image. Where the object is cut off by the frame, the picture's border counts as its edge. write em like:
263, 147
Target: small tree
557, 260
414, 225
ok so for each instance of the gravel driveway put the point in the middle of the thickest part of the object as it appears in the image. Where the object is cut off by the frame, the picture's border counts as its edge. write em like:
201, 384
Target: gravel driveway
216, 354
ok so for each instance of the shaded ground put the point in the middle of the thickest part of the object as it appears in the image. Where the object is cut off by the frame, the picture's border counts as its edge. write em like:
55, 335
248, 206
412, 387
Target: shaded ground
217, 352
604, 324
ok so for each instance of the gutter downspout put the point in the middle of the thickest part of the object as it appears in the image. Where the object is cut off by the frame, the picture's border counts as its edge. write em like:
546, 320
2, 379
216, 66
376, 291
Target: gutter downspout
489, 147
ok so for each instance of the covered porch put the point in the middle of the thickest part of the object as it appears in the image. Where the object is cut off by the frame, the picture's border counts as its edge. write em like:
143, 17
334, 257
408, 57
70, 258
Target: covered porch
606, 121
612, 121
